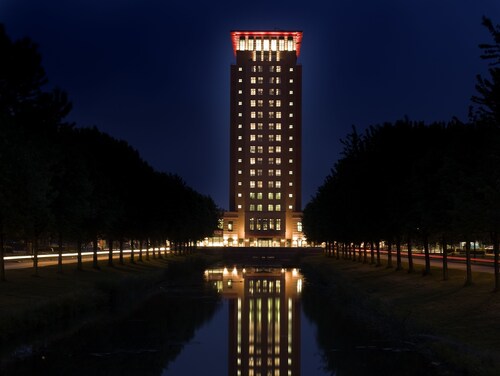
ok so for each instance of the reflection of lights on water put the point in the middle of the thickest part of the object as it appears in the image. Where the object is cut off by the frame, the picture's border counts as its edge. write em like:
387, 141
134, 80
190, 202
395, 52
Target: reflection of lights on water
282, 270
294, 272
299, 285
244, 270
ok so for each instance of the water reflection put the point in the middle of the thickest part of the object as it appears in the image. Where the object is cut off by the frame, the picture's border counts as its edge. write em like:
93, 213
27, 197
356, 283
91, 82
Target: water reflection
264, 319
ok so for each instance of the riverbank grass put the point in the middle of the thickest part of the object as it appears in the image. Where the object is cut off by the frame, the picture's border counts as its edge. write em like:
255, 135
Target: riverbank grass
459, 324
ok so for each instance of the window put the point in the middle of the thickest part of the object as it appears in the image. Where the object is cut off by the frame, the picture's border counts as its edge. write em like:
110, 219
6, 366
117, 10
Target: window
259, 195
259, 172
270, 184
260, 80
259, 126
259, 207
278, 126
271, 161
290, 184
252, 207
252, 103
278, 137
271, 115
260, 149
240, 126
252, 161
259, 138
278, 68
290, 172
239, 206
252, 223
240, 137
290, 160
278, 102
252, 172
260, 114
271, 137
291, 80
291, 69
252, 183
270, 173
290, 126
290, 104
240, 69
278, 161
252, 126
253, 68
271, 126
290, 115
252, 114
253, 91
271, 68
290, 207
278, 184
278, 149
230, 226
290, 195
240, 103
240, 91
260, 91
239, 172
271, 102
259, 183
252, 195
278, 172
290, 149
270, 207
271, 149
240, 114
252, 137
259, 161
278, 91
240, 80
240, 148
278, 207
253, 80
278, 227
240, 160
240, 183
278, 115
260, 103
278, 195
290, 138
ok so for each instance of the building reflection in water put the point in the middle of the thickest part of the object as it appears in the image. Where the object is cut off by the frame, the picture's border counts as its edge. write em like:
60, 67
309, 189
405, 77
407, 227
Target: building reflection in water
264, 319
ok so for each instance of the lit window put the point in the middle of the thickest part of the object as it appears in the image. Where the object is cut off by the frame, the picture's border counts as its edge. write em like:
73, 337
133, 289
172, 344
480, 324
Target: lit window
290, 184
259, 183
270, 207
271, 102
239, 207
239, 194
271, 137
239, 172
278, 126
252, 149
274, 44
252, 103
291, 69
290, 92
278, 161
278, 149
290, 160
270, 195
278, 68
290, 138
240, 183
260, 80
271, 91
278, 137
252, 91
259, 195
259, 172
271, 115
252, 223
259, 207
278, 184
290, 126
271, 149
259, 160
290, 172
252, 207
271, 126
290, 104
252, 126
259, 126
240, 91
260, 114
278, 195
252, 183
253, 80
278, 227
290, 207
260, 149
252, 137
270, 184
266, 44
240, 80
240, 126
271, 172
278, 115
240, 114
290, 149
278, 172
299, 226
291, 80
240, 137
252, 160
278, 102
278, 91
240, 148
252, 195
240, 160
259, 138
252, 114
259, 68
260, 91
252, 172
260, 103
278, 207
240, 103
240, 69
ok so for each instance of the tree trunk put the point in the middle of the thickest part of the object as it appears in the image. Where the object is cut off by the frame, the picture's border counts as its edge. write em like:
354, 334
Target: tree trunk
399, 264
95, 247
389, 255
468, 264
59, 255
410, 257
445, 260
377, 245
79, 256
120, 244
427, 256
34, 251
110, 255
496, 255
372, 254
2, 260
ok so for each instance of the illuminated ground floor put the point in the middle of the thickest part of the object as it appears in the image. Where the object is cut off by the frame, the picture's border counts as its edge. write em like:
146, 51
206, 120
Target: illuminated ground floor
239, 229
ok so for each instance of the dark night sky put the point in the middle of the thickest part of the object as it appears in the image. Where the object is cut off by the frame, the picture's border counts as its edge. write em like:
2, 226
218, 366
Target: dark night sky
135, 68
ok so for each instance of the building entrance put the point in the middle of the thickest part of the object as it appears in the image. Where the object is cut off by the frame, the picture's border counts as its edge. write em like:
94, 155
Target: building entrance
264, 243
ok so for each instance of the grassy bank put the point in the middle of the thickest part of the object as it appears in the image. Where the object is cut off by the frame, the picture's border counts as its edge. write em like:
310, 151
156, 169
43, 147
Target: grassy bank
31, 306
451, 323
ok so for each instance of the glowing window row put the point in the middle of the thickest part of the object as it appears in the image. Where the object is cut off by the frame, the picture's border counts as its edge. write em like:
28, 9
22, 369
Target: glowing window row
270, 161
270, 195
260, 103
260, 149
270, 184
266, 224
250, 43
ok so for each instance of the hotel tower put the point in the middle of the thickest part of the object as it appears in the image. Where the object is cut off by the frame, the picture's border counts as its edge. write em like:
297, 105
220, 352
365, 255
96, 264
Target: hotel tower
265, 140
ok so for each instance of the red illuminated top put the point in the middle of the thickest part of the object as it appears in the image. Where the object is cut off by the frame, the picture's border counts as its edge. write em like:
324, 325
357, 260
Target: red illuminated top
297, 37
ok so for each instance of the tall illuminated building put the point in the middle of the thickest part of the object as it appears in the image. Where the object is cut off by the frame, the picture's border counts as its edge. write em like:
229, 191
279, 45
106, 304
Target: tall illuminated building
265, 140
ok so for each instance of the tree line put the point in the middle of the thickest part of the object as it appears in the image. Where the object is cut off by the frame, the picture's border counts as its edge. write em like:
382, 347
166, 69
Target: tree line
408, 183
78, 184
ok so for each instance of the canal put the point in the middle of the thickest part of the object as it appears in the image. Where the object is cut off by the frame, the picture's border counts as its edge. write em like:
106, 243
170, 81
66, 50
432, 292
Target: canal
229, 321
